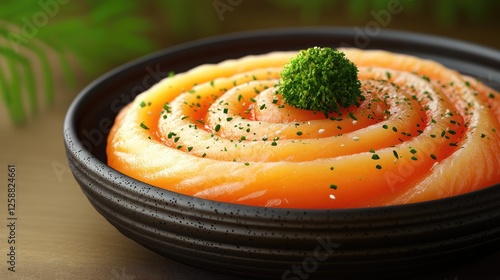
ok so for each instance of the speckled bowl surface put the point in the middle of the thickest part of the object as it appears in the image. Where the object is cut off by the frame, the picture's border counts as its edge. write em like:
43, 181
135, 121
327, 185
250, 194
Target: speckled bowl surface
261, 242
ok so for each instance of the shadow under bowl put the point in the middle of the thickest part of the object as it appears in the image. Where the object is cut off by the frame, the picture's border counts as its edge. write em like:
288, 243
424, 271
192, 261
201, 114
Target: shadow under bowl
265, 242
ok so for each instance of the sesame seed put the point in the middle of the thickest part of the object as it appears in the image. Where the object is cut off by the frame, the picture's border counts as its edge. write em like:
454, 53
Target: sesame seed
354, 122
332, 196
321, 130
278, 132
355, 138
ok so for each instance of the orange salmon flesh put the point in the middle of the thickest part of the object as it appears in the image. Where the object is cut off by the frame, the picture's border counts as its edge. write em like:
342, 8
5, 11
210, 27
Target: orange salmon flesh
221, 132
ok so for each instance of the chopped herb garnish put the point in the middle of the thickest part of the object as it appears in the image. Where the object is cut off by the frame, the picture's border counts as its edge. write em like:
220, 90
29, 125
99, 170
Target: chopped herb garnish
351, 115
433, 157
332, 186
320, 79
375, 157
378, 166
299, 133
395, 154
144, 126
217, 128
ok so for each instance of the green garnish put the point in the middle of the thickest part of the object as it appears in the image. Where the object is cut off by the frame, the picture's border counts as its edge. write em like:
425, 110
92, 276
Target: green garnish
395, 154
320, 79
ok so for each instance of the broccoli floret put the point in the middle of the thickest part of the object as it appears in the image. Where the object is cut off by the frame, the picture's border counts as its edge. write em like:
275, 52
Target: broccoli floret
320, 79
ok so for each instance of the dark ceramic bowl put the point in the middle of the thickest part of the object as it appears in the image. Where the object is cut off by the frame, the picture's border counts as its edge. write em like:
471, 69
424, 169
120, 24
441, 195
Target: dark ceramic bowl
280, 243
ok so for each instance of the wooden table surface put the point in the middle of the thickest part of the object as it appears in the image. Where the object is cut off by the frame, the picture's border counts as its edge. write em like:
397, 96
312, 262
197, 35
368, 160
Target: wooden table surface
58, 234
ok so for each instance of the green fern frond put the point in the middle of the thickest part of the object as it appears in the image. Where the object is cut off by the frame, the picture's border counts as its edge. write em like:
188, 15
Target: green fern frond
108, 33
18, 66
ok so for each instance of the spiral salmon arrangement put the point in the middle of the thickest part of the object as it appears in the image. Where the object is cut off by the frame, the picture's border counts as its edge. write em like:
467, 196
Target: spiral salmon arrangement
223, 132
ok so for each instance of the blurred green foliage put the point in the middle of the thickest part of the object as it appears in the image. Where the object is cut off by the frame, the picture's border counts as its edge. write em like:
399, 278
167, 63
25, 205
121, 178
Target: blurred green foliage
36, 35
32, 31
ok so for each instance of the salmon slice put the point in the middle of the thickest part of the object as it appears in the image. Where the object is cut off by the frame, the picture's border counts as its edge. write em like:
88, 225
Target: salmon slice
221, 132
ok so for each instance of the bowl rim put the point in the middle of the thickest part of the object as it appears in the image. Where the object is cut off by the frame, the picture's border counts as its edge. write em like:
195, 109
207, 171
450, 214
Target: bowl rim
70, 135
